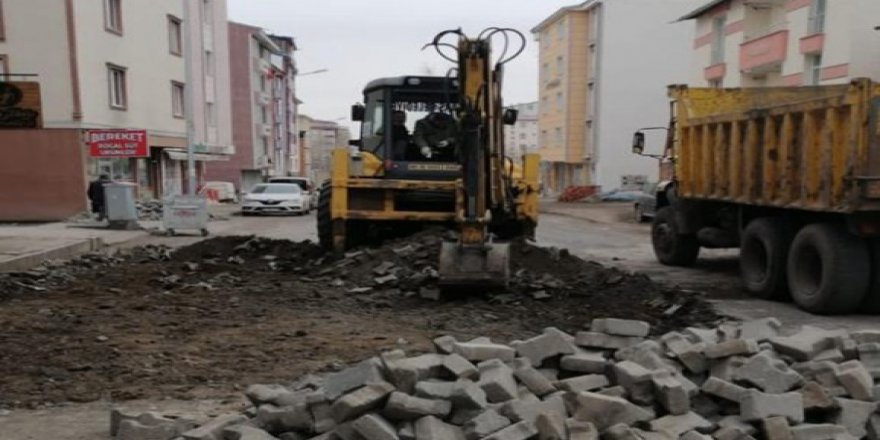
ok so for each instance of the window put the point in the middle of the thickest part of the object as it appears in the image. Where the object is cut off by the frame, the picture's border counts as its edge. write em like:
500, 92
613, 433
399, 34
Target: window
117, 86
210, 68
211, 111
113, 16
264, 115
2, 29
544, 107
718, 40
559, 101
262, 82
522, 135
559, 66
558, 135
816, 24
560, 29
178, 99
716, 83
208, 12
543, 137
175, 36
813, 69
545, 72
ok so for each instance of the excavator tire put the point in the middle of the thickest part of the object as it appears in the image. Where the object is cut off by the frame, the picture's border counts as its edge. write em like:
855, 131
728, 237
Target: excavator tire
325, 222
355, 231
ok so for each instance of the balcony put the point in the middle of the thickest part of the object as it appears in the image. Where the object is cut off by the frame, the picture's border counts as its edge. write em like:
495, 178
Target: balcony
764, 54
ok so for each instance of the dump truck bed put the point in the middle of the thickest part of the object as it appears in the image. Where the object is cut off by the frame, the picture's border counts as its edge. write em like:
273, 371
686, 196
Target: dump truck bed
813, 148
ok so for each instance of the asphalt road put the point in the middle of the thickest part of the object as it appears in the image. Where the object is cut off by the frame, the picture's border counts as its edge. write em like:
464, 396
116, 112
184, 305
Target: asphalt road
604, 234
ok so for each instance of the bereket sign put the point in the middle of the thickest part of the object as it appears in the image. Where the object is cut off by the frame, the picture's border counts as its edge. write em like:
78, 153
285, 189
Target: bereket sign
117, 143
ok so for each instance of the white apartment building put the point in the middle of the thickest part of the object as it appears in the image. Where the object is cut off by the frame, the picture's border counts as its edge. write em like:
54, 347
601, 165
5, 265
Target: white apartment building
522, 137
119, 64
748, 43
604, 70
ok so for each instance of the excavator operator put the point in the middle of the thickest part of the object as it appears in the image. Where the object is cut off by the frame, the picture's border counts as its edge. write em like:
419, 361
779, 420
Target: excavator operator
435, 136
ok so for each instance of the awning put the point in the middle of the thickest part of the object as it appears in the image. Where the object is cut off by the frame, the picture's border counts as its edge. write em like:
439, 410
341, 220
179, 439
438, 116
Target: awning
177, 154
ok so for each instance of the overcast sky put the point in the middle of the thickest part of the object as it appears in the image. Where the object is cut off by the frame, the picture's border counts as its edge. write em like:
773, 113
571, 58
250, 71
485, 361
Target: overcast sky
359, 40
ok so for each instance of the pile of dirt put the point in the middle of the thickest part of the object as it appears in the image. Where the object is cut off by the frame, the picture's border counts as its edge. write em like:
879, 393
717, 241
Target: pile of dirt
205, 320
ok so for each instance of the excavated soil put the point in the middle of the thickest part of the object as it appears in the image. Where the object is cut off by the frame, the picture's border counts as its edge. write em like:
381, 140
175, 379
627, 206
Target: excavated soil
208, 319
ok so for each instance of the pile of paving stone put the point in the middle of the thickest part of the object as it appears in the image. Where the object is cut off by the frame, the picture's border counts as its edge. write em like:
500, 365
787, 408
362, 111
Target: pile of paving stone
739, 381
149, 210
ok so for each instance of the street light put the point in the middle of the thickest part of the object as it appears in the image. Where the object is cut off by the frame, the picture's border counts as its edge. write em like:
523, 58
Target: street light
313, 72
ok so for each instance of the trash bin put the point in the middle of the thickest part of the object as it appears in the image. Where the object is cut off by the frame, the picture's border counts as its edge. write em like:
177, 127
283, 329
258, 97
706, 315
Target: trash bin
119, 202
184, 212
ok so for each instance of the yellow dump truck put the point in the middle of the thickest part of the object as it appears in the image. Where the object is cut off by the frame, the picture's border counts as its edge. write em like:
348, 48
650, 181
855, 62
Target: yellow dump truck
791, 176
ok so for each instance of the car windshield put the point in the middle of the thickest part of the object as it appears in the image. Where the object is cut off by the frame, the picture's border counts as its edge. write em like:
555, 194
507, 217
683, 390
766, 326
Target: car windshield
281, 188
302, 183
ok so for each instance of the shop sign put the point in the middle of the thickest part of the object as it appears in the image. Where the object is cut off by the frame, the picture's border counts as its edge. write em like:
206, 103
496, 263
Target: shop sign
117, 143
20, 105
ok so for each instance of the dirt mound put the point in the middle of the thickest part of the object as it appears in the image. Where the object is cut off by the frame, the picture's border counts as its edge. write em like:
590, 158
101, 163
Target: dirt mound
205, 320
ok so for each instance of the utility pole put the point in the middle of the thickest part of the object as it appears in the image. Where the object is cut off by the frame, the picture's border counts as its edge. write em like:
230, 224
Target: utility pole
188, 101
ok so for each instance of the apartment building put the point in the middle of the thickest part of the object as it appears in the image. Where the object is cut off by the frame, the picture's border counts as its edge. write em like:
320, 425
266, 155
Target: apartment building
264, 112
320, 138
748, 43
104, 72
522, 137
604, 66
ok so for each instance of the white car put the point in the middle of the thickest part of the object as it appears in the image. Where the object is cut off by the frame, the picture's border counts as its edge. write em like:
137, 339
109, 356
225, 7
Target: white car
304, 183
276, 198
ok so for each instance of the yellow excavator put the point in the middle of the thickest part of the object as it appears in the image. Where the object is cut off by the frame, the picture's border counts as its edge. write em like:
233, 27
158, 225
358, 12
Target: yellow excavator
431, 150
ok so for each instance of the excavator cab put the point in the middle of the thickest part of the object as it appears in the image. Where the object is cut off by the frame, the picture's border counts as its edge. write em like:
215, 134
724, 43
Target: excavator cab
408, 124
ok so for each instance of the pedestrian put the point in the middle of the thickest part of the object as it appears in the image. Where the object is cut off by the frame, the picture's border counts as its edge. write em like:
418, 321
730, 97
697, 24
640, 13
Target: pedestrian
96, 195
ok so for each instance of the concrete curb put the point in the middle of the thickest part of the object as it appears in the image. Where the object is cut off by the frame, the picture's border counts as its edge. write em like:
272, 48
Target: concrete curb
65, 252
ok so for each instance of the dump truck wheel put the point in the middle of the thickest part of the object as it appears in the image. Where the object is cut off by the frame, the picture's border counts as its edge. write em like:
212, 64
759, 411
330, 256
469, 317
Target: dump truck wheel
670, 246
325, 221
872, 299
828, 269
763, 255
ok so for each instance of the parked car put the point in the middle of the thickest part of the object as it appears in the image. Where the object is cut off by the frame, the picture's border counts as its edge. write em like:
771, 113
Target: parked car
225, 191
276, 198
645, 206
304, 182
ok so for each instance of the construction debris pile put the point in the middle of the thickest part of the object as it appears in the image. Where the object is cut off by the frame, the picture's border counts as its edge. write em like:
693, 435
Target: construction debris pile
149, 210
56, 274
739, 381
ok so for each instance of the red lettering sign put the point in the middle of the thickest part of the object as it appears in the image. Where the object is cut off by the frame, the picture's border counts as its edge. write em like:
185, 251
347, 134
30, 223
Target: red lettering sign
117, 143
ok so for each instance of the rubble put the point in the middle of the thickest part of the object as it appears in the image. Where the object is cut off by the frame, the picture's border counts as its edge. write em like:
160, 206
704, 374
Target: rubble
528, 392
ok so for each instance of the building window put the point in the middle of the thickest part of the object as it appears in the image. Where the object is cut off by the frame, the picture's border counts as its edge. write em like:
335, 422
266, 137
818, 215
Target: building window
211, 111
716, 83
175, 36
545, 72
543, 137
718, 40
2, 28
178, 100
816, 24
522, 135
544, 107
118, 87
113, 16
813, 69
210, 68
560, 29
264, 115
558, 135
559, 66
559, 101
207, 12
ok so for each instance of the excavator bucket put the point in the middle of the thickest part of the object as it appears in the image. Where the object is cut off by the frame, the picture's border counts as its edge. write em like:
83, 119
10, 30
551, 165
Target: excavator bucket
474, 266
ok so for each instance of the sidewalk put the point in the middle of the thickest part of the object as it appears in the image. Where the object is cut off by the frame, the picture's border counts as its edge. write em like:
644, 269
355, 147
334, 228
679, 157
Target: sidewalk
605, 212
26, 245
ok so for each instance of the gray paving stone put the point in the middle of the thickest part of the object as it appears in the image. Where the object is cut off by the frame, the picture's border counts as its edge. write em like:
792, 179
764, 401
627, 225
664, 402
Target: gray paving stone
621, 327
432, 428
360, 402
484, 424
854, 415
374, 427
401, 406
756, 406
543, 347
605, 411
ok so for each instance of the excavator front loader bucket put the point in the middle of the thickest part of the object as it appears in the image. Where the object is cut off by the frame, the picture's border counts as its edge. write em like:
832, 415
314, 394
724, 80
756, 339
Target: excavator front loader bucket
484, 265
